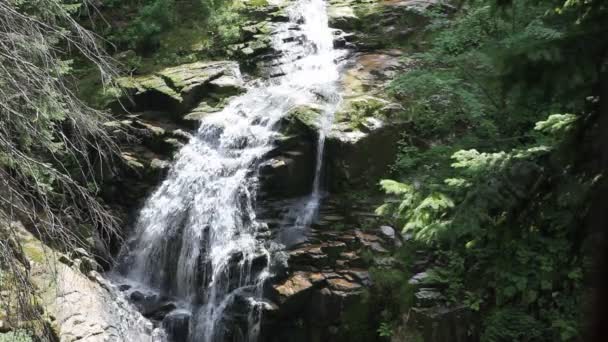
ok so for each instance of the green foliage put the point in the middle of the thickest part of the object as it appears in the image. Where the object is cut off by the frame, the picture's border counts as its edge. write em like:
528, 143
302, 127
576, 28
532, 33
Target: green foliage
485, 177
511, 325
154, 18
492, 204
385, 330
556, 123
167, 23
439, 102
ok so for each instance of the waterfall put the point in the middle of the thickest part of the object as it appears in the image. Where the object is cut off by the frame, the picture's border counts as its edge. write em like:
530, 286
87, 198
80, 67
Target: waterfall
197, 238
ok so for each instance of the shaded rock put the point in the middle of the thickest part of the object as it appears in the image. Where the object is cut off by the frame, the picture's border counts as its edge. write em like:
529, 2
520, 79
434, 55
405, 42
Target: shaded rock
177, 325
342, 16
357, 159
289, 174
159, 310
137, 296
311, 255
124, 287
427, 297
87, 264
333, 249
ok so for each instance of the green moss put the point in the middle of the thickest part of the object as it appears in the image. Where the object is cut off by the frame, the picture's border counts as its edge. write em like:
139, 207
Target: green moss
307, 115
34, 251
355, 111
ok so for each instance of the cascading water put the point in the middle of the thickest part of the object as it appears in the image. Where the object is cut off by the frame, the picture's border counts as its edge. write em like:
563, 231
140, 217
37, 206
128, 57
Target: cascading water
197, 236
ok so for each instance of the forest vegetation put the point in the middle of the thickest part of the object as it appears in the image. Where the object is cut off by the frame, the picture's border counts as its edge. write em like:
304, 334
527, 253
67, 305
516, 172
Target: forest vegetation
499, 178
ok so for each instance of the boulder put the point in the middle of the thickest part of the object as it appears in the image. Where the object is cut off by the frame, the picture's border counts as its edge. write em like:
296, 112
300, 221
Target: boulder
342, 16
177, 325
290, 168
84, 307
378, 24
363, 142
302, 120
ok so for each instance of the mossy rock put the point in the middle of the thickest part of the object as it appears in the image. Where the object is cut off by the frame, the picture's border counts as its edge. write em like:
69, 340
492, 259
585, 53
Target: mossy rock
355, 111
343, 17
180, 88
308, 115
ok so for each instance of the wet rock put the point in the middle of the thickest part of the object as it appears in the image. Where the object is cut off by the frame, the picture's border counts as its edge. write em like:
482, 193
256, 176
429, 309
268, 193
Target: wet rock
124, 287
366, 238
427, 297
157, 311
333, 248
137, 296
177, 325
203, 109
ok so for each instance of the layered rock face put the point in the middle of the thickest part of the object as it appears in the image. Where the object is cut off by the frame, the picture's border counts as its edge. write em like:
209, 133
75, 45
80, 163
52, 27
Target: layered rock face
327, 274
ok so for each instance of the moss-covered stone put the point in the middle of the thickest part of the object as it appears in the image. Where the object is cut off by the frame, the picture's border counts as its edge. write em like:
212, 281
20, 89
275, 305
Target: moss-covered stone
357, 111
180, 88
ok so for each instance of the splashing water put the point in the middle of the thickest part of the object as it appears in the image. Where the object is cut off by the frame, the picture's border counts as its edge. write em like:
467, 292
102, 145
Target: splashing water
197, 236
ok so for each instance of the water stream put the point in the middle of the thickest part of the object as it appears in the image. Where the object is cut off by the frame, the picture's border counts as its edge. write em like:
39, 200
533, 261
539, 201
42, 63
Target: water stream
197, 237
